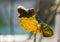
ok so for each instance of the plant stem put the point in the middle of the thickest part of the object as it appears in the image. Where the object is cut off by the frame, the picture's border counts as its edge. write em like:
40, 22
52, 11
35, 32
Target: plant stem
34, 37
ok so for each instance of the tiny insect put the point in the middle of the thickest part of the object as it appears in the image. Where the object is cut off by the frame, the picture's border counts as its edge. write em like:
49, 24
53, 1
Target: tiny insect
30, 24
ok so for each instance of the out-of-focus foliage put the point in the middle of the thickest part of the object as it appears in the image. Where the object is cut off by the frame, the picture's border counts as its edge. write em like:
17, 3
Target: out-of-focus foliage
3, 23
